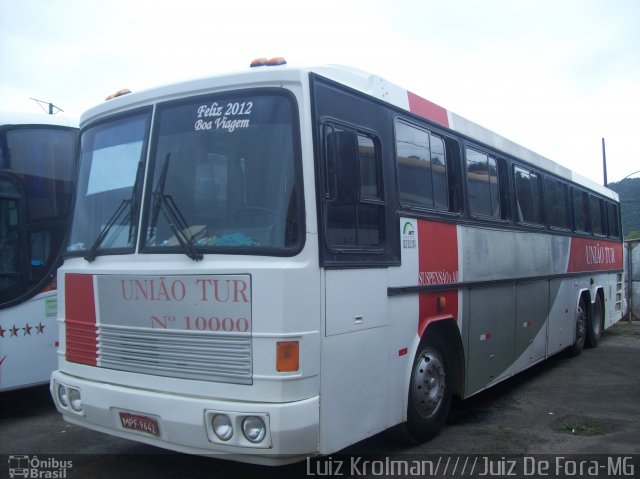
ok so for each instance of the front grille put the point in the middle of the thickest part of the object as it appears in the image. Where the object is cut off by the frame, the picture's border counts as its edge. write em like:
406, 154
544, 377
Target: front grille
198, 355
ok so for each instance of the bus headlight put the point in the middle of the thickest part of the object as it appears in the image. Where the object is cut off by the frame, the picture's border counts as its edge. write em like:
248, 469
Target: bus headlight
63, 398
222, 427
74, 400
254, 429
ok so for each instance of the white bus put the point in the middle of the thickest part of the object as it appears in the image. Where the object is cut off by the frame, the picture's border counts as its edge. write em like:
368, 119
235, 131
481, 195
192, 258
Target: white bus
38, 156
277, 263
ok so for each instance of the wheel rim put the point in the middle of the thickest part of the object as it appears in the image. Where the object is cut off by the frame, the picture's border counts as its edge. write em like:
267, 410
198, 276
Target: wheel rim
581, 325
428, 383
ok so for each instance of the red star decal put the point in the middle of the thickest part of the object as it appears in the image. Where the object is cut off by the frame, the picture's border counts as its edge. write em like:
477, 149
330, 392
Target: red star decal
14, 331
40, 328
27, 330
2, 331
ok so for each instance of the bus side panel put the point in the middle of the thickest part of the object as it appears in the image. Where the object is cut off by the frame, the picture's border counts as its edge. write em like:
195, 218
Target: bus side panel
355, 357
27, 344
562, 315
507, 322
532, 310
491, 330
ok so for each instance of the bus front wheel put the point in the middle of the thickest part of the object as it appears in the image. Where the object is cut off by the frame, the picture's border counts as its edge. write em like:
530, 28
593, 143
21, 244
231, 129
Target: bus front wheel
429, 394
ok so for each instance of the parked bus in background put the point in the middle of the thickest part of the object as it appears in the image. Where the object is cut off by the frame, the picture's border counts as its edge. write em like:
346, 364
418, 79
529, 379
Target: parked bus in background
277, 263
37, 168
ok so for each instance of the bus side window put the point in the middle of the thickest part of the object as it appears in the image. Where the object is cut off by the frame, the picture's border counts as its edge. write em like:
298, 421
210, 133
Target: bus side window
454, 175
528, 196
556, 203
580, 210
597, 215
354, 203
423, 181
9, 235
613, 222
483, 185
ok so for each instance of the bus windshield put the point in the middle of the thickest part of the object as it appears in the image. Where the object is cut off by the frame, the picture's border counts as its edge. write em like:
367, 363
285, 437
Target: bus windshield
221, 178
36, 186
110, 155
224, 173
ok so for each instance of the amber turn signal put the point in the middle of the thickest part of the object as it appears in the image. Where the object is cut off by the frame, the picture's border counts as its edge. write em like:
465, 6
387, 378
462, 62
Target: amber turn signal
287, 356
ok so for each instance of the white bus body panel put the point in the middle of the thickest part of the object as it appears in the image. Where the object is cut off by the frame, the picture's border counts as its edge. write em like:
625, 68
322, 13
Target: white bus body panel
28, 342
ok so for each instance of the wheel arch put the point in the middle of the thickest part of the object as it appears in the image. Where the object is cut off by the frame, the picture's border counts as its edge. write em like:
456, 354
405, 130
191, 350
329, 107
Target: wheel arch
447, 329
443, 333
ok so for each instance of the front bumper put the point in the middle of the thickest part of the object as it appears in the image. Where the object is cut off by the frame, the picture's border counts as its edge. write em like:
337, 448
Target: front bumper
183, 423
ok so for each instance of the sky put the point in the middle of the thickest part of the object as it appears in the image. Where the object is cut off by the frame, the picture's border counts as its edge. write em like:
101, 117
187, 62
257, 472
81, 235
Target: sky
555, 76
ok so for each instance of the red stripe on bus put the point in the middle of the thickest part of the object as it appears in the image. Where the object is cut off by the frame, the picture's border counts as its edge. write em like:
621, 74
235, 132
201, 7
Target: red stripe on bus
588, 254
80, 320
427, 109
438, 265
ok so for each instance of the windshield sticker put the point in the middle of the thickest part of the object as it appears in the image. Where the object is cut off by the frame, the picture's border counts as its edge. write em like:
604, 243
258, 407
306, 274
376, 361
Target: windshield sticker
224, 116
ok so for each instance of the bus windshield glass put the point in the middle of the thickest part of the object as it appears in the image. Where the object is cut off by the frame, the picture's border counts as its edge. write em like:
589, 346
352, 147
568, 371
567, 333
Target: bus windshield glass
36, 186
111, 159
224, 177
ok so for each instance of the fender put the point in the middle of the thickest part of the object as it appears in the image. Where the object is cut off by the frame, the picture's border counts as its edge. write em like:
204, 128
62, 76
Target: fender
426, 322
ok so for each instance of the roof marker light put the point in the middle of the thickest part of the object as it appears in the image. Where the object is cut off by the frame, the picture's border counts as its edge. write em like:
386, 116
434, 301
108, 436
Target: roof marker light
258, 62
268, 62
124, 91
275, 61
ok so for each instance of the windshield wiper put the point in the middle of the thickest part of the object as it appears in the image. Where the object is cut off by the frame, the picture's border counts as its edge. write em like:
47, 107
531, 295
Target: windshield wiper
131, 215
93, 251
171, 212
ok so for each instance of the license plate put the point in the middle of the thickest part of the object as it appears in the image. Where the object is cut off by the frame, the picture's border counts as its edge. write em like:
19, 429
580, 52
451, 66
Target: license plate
138, 423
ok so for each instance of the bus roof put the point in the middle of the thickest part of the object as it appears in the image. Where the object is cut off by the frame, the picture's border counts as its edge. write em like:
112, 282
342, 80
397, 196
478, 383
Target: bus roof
23, 118
359, 80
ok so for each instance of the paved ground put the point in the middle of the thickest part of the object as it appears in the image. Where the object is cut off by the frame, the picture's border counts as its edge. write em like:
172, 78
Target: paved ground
585, 405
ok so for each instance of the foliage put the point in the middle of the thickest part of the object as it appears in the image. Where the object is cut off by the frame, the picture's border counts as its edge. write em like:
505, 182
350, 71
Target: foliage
629, 191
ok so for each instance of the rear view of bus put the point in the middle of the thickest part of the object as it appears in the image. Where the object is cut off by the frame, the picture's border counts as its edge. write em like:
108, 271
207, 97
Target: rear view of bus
36, 187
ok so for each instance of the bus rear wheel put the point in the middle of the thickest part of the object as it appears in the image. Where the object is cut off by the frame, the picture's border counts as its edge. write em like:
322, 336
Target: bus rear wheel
581, 328
595, 322
429, 394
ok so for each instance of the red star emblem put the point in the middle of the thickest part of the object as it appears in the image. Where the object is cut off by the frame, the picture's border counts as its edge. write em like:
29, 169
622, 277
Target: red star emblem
40, 328
27, 330
14, 331
2, 331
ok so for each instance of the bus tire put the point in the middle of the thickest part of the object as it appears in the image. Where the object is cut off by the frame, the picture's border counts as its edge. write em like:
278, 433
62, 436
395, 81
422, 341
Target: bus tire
595, 322
581, 328
429, 394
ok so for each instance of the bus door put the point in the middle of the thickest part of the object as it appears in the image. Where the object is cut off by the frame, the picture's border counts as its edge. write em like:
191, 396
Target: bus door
359, 241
